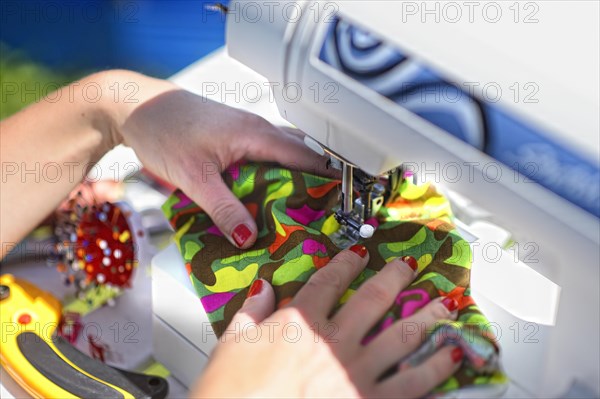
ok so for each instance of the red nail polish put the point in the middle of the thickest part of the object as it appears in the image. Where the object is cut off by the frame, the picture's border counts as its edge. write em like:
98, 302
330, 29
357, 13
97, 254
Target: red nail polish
358, 249
241, 234
255, 288
450, 304
411, 262
457, 355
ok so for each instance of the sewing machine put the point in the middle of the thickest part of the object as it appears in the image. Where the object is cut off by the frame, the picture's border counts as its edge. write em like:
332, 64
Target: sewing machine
487, 106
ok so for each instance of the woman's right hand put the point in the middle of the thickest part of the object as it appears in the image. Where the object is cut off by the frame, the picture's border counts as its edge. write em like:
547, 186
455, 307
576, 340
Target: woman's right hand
300, 351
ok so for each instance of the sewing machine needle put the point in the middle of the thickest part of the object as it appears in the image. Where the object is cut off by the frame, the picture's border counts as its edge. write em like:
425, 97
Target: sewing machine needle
347, 180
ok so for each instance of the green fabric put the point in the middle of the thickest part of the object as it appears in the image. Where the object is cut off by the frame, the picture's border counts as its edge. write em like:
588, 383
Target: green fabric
294, 215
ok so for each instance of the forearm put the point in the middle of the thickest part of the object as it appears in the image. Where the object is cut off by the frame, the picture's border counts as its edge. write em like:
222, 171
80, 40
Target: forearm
48, 148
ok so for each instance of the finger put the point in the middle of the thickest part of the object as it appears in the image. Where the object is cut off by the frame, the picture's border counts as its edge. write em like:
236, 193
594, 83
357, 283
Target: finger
325, 287
259, 304
293, 131
373, 299
281, 145
226, 211
417, 381
328, 171
405, 336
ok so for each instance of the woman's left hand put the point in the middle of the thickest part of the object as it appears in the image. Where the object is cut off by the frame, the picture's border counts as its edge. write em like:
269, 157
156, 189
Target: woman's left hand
189, 141
181, 137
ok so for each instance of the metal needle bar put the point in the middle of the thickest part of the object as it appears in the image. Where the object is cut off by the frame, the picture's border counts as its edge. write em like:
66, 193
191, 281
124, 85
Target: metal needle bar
347, 189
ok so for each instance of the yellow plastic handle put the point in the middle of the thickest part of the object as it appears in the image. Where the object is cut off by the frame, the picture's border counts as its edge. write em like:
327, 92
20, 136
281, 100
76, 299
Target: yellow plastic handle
28, 312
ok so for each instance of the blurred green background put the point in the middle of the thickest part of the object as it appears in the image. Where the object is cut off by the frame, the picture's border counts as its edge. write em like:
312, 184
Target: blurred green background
31, 80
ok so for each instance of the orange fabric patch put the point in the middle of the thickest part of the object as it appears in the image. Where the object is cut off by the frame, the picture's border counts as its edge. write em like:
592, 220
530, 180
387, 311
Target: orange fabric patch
253, 209
320, 191
279, 239
284, 302
434, 224
320, 262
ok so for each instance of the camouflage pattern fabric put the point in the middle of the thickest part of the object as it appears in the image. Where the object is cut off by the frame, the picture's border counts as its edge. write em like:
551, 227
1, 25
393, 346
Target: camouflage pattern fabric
294, 215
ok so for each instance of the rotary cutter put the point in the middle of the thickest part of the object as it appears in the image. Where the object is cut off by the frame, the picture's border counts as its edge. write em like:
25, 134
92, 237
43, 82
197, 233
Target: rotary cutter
46, 365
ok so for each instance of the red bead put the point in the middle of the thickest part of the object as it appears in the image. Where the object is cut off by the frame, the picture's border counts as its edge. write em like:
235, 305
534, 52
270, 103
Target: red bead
25, 318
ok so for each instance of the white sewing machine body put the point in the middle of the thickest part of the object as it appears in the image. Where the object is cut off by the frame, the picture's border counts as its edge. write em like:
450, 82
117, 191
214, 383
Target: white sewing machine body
377, 86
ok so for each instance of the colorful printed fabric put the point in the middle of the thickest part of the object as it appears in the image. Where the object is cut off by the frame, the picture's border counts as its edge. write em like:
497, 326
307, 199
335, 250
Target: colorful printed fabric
294, 215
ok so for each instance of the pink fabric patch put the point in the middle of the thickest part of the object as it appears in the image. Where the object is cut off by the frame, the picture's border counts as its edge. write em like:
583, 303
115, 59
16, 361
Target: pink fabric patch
310, 246
184, 201
214, 230
304, 215
213, 302
409, 307
234, 170
373, 222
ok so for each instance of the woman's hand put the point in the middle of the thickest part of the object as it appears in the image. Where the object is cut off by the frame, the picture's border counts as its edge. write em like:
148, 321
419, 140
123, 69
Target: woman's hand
189, 141
299, 351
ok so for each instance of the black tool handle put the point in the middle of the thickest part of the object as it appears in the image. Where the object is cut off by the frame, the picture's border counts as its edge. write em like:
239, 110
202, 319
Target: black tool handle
47, 361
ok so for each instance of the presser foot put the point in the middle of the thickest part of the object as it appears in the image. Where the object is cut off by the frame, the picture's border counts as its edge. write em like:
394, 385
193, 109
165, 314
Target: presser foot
352, 229
342, 239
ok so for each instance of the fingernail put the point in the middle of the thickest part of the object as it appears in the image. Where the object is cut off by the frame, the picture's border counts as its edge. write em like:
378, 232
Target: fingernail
457, 355
241, 234
450, 304
360, 250
411, 262
255, 288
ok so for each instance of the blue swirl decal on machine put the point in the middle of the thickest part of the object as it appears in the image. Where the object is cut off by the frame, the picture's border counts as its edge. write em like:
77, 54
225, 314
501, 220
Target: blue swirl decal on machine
480, 123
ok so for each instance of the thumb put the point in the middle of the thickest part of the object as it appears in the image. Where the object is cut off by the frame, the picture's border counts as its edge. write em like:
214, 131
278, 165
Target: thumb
225, 209
259, 304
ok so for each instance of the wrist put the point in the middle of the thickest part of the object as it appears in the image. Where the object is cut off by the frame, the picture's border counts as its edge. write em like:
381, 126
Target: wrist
123, 93
111, 109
